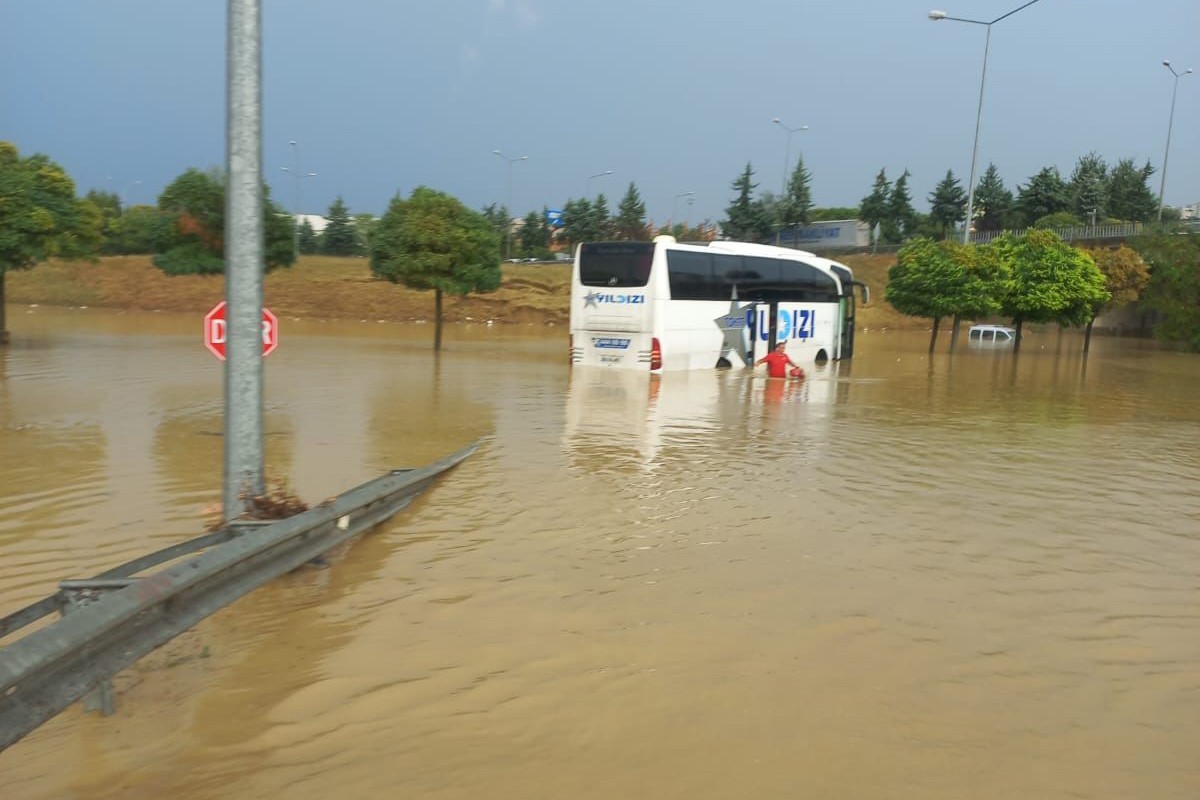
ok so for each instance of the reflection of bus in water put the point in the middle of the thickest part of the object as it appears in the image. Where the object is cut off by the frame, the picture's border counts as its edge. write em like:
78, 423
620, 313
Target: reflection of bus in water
630, 418
663, 305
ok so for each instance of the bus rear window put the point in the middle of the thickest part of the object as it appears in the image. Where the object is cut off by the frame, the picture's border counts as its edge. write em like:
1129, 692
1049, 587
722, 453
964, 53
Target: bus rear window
615, 263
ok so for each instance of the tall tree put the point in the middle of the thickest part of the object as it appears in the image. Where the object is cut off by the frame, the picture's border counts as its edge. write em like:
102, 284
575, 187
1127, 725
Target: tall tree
901, 220
941, 279
40, 217
1045, 194
195, 202
796, 205
631, 216
746, 219
1088, 188
364, 223
338, 238
1174, 290
1129, 196
602, 222
873, 209
947, 204
109, 205
1048, 280
993, 202
432, 241
535, 234
307, 240
1125, 276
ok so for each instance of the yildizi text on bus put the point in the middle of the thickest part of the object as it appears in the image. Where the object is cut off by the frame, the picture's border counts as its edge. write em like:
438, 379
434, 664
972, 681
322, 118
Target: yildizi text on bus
665, 305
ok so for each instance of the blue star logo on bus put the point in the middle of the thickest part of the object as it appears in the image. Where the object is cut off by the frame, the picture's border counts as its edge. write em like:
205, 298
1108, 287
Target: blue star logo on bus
589, 300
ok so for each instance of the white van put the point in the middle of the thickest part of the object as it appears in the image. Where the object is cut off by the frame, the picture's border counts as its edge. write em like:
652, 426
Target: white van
994, 335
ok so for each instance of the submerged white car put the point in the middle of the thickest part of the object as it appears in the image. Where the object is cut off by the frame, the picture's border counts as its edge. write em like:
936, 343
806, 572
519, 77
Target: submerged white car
995, 335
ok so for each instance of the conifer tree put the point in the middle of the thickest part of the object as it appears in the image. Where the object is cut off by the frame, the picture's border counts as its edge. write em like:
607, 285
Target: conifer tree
338, 238
947, 204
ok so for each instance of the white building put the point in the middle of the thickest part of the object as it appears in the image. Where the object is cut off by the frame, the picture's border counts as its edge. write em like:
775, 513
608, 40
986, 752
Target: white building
317, 222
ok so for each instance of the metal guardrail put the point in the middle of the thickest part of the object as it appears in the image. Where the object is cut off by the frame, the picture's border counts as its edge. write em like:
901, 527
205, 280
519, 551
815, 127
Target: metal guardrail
121, 618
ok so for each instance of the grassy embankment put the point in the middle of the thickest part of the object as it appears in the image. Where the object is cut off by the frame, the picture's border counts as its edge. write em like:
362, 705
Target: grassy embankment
321, 287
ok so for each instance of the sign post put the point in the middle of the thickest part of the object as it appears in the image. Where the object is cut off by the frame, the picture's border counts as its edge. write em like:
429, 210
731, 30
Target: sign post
216, 331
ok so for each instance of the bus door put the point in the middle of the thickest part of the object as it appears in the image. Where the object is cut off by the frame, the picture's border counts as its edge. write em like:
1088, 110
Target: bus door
764, 322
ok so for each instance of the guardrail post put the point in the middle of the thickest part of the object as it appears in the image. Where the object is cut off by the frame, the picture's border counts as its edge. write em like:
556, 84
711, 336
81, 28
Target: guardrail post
101, 698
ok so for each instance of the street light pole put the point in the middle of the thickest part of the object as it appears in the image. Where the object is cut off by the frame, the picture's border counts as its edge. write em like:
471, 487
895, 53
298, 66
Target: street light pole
787, 153
674, 200
508, 210
940, 15
1162, 186
588, 186
297, 178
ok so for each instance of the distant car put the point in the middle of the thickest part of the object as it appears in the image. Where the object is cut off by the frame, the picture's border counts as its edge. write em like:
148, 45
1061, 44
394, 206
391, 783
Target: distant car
532, 260
991, 335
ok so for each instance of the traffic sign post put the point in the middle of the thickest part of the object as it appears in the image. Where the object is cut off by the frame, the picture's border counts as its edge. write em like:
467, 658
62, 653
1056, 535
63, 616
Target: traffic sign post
216, 330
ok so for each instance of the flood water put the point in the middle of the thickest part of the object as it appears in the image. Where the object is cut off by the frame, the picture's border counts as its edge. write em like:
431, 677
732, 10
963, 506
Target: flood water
961, 578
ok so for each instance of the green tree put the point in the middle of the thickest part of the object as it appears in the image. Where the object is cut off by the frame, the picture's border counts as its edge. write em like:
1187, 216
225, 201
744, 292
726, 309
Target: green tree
1047, 280
195, 243
1045, 194
40, 217
338, 238
1088, 188
901, 220
602, 221
109, 206
141, 229
746, 219
993, 202
363, 225
630, 223
499, 218
432, 241
947, 204
1125, 276
307, 240
941, 279
796, 205
1174, 290
535, 235
1129, 196
873, 209
1059, 219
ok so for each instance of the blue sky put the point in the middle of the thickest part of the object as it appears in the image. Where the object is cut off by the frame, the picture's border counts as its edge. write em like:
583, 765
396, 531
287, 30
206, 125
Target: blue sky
385, 95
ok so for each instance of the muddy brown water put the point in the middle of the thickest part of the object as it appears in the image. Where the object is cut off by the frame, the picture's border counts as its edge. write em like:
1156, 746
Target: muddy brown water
903, 578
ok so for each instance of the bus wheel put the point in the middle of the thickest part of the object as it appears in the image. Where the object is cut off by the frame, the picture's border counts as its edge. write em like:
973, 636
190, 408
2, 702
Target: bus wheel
822, 356
723, 363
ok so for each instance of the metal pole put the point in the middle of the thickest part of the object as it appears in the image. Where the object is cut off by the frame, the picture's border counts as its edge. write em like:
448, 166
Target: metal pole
1162, 186
508, 211
587, 188
243, 259
941, 15
296, 195
975, 149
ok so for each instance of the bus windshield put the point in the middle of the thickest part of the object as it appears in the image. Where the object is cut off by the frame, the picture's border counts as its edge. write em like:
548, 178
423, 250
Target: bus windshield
615, 263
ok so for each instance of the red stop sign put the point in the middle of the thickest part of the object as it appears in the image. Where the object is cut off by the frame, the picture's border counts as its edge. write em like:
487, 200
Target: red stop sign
215, 331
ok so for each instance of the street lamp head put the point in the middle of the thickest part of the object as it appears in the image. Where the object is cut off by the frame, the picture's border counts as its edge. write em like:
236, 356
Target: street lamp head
936, 15
496, 153
1166, 63
776, 121
292, 142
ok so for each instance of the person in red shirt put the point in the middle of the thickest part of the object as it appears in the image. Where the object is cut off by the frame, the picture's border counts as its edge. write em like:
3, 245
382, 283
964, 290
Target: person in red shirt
778, 361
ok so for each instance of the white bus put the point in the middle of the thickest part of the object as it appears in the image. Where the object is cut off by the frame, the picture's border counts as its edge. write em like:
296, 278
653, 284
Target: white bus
664, 305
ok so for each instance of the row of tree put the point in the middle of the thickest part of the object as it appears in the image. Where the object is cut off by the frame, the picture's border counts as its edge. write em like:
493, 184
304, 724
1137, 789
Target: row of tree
1036, 277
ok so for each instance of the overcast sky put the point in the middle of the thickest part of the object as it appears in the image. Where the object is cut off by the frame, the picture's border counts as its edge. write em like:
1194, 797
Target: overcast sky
385, 95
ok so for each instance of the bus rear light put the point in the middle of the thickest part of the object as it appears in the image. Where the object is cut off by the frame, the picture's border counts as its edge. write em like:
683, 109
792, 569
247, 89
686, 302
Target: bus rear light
655, 355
